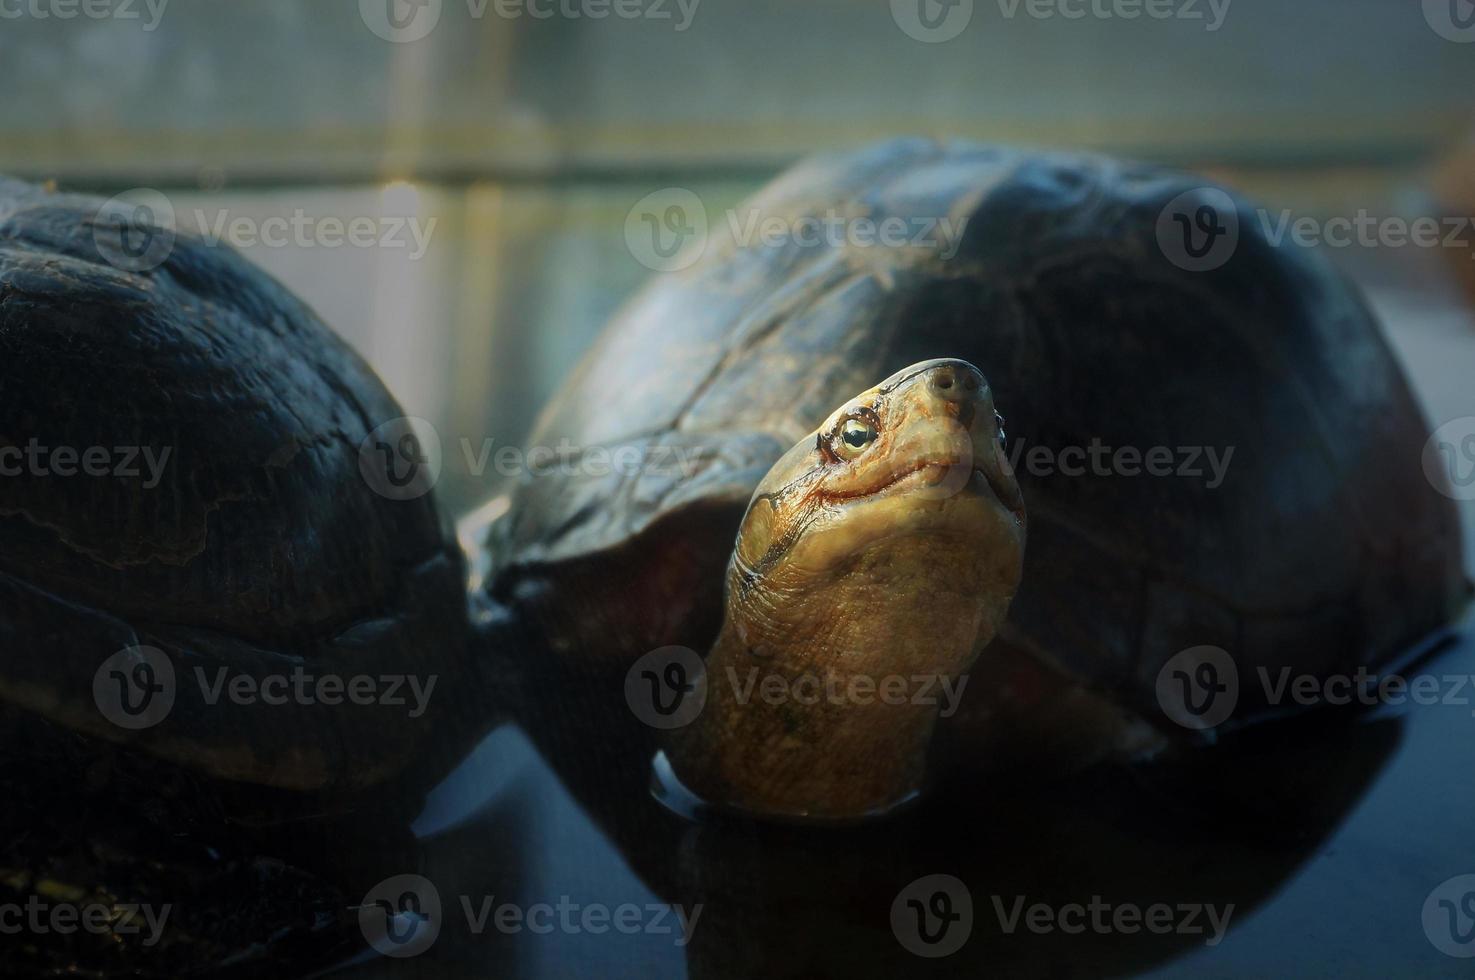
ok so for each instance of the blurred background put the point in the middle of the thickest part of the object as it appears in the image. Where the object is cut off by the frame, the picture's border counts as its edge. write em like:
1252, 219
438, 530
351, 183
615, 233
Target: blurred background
519, 138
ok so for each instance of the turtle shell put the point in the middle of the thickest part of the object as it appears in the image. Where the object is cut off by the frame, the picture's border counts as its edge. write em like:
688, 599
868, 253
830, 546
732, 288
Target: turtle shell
1316, 543
183, 445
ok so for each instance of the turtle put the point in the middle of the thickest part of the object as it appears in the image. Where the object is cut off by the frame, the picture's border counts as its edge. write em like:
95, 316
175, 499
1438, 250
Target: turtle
906, 489
224, 527
194, 539
1115, 312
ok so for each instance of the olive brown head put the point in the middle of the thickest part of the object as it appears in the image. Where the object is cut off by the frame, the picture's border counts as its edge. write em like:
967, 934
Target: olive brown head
875, 561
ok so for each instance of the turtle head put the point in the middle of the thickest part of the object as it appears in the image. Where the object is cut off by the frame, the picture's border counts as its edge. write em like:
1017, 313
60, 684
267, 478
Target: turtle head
921, 454
879, 554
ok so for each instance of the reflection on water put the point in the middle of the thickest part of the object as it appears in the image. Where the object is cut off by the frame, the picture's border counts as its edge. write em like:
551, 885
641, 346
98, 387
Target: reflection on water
1289, 848
1302, 847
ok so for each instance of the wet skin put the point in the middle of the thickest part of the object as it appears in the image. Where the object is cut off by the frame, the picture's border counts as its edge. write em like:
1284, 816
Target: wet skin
875, 561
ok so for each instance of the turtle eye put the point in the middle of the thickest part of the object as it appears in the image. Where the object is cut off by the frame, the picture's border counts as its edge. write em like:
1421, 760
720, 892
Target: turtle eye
854, 436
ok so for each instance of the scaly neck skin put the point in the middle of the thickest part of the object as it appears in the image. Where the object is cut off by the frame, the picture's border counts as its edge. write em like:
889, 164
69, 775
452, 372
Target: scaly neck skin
876, 559
823, 689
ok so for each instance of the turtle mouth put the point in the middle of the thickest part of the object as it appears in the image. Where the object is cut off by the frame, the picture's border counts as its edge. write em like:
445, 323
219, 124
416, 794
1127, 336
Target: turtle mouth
922, 474
931, 475
939, 480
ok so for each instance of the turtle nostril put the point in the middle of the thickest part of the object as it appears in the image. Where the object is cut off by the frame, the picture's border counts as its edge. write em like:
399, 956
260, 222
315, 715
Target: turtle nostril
955, 382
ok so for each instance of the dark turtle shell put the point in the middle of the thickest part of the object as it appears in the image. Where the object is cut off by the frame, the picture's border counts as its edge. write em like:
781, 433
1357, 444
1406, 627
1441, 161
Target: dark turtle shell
256, 547
1321, 547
